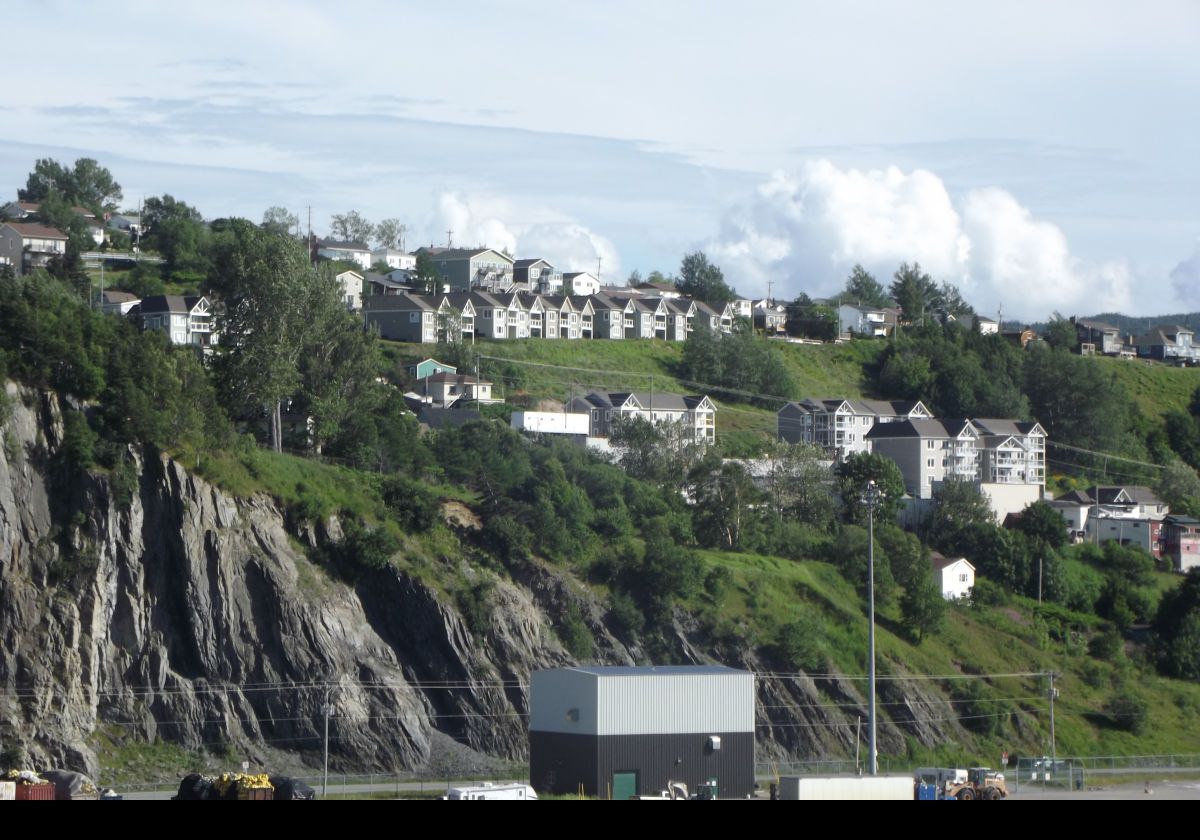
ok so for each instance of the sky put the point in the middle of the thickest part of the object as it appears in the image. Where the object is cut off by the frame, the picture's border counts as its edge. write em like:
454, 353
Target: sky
1041, 156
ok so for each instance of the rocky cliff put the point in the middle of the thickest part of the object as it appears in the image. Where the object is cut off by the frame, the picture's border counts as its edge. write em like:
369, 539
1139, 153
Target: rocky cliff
181, 613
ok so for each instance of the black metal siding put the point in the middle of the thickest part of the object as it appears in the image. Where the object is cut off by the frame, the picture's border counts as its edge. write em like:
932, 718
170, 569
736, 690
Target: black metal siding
559, 763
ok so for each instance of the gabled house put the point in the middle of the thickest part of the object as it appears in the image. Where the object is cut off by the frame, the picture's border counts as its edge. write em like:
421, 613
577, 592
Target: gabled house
1181, 542
663, 289
928, 452
395, 259
1129, 514
586, 312
185, 320
1174, 345
580, 283
401, 317
351, 283
694, 415
718, 318
840, 426
468, 269
986, 326
114, 302
1012, 452
955, 576
770, 317
1097, 337
428, 367
561, 310
537, 276
865, 321
384, 284
28, 245
353, 252
455, 320
447, 390
501, 315
608, 318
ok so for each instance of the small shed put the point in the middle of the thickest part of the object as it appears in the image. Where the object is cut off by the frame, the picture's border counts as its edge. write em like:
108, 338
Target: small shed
621, 731
956, 576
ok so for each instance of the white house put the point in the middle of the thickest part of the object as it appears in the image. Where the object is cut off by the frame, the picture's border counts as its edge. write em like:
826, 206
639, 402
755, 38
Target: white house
355, 252
582, 283
551, 423
394, 258
351, 283
185, 320
956, 576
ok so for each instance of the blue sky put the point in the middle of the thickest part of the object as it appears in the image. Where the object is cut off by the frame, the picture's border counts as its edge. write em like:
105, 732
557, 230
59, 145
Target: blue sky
1041, 156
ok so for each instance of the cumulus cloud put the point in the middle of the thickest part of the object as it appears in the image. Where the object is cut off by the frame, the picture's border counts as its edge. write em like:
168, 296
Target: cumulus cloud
805, 230
1186, 278
486, 220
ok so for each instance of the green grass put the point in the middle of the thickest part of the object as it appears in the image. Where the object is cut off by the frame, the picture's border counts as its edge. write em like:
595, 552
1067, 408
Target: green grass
1018, 638
1156, 388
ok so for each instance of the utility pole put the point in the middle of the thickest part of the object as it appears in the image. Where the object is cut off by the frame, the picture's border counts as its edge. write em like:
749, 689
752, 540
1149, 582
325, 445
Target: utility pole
325, 777
770, 299
599, 259
449, 238
1053, 694
403, 230
871, 498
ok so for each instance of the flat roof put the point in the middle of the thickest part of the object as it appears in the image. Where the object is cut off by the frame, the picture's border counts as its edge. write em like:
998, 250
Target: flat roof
655, 670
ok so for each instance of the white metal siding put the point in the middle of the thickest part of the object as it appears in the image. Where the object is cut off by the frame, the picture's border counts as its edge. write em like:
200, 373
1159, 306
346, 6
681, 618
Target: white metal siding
670, 704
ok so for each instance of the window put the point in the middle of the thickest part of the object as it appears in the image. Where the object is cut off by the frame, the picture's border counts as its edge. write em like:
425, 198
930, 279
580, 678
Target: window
963, 577
929, 463
929, 444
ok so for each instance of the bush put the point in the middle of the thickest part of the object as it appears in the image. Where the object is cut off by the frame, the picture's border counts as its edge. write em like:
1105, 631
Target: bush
414, 505
575, 635
799, 644
475, 605
1128, 712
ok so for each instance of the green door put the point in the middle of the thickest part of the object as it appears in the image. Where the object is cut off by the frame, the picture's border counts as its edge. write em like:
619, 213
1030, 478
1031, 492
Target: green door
624, 785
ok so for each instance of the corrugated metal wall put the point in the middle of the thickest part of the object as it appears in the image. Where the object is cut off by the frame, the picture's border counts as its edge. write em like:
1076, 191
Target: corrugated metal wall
675, 704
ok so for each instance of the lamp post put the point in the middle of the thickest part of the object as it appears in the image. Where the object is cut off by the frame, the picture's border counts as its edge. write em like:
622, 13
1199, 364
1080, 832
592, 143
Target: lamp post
871, 498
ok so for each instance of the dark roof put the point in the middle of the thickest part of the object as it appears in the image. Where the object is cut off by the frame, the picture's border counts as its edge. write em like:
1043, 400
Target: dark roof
1162, 336
648, 401
446, 418
1096, 325
403, 302
1107, 495
169, 303
343, 246
918, 428
462, 253
31, 230
991, 426
940, 561
657, 670
115, 296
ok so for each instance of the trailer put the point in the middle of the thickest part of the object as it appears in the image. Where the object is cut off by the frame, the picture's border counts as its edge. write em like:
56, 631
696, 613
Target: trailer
821, 788
491, 791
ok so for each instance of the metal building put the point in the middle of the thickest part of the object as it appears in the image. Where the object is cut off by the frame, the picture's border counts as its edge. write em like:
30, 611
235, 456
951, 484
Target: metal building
621, 731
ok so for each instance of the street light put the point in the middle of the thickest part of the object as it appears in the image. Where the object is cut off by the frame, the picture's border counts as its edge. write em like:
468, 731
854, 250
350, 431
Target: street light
871, 498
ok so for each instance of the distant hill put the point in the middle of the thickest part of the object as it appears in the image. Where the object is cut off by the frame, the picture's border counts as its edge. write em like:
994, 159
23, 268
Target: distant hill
1132, 324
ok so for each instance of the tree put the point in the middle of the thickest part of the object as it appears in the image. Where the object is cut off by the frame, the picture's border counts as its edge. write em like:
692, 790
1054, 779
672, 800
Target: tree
800, 485
88, 184
426, 274
957, 507
1061, 333
914, 292
1041, 522
853, 475
1177, 626
261, 279
703, 280
389, 233
922, 607
949, 305
1179, 486
176, 230
725, 500
863, 288
280, 221
661, 453
351, 227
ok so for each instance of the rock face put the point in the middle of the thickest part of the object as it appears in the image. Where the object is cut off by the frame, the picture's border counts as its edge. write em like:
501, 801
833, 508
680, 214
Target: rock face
189, 615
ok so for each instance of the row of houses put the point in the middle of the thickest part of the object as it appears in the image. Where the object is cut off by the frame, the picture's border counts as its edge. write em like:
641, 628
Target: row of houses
1005, 458
1172, 344
457, 316
187, 320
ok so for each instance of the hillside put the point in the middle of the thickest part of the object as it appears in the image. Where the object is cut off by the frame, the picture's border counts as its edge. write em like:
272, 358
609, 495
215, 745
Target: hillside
246, 592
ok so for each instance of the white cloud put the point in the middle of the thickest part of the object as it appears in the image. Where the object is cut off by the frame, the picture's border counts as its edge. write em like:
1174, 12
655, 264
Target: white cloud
805, 230
483, 220
1186, 278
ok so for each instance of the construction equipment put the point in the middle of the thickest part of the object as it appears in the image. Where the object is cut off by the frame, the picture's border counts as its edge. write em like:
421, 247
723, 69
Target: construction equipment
980, 783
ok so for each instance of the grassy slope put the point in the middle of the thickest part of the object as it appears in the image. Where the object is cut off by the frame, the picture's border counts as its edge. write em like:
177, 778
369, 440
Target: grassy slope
1156, 388
769, 592
818, 371
1008, 639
